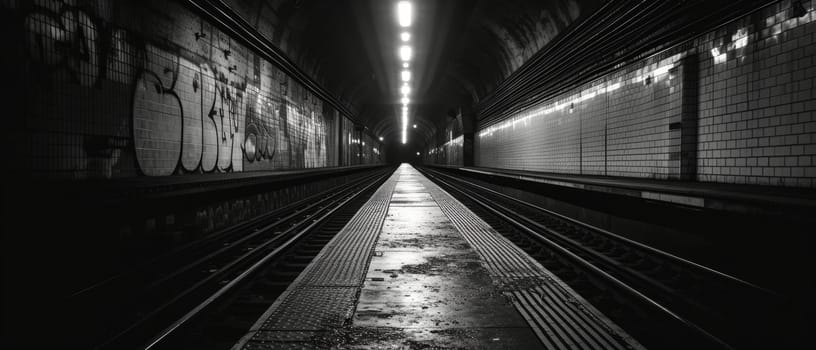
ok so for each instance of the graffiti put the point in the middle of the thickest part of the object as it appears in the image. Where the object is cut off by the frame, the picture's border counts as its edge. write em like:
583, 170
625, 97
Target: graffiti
120, 65
260, 141
229, 122
194, 116
65, 37
315, 142
64, 46
191, 109
209, 156
208, 117
156, 126
295, 139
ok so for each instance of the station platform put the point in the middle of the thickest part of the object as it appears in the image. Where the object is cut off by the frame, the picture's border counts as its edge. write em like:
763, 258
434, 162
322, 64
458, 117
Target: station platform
414, 268
728, 197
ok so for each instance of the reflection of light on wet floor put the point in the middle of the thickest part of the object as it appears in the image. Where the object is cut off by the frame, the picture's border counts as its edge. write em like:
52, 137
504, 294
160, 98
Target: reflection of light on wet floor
413, 196
410, 189
425, 284
409, 218
417, 196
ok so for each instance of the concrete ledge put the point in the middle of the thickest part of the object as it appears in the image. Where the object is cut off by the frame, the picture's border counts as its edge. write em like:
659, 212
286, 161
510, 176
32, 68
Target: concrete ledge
728, 197
151, 188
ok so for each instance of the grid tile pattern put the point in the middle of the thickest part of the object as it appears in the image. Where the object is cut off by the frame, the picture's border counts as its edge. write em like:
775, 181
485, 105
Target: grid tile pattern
160, 93
753, 122
757, 121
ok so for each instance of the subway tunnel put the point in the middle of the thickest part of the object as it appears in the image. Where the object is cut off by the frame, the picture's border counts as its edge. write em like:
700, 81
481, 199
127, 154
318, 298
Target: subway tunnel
409, 174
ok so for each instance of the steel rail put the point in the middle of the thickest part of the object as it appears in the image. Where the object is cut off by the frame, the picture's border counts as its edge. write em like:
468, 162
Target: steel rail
212, 238
196, 311
583, 263
323, 207
259, 232
649, 249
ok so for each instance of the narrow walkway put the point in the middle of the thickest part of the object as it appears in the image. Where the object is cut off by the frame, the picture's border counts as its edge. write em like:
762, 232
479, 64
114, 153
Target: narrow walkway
436, 275
426, 284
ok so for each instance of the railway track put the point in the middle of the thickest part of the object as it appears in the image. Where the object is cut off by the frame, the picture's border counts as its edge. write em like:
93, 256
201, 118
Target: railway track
180, 292
663, 300
219, 325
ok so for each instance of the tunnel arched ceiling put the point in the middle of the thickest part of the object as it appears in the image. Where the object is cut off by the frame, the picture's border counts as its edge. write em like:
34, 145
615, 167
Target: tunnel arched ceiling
463, 49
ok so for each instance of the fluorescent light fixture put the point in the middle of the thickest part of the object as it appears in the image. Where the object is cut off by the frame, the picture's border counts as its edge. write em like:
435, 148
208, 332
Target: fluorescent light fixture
405, 52
719, 57
662, 70
404, 13
740, 38
405, 17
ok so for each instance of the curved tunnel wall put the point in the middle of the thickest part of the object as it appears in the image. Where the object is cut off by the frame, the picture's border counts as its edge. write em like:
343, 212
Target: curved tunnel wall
113, 89
736, 105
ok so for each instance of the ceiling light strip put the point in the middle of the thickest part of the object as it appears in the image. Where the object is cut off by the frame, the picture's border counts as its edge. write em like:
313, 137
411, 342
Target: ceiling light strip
404, 18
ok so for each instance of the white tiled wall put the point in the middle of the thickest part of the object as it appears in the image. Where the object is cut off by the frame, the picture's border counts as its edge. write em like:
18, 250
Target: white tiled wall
756, 121
615, 126
756, 111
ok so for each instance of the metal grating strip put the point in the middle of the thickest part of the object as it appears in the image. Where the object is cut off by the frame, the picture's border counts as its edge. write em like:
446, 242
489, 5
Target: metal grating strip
560, 317
324, 294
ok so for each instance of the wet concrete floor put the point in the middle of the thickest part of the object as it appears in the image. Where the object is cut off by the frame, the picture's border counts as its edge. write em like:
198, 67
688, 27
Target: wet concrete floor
426, 288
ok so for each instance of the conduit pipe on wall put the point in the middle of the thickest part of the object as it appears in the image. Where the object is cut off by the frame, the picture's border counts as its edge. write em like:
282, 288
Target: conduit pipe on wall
560, 67
571, 58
